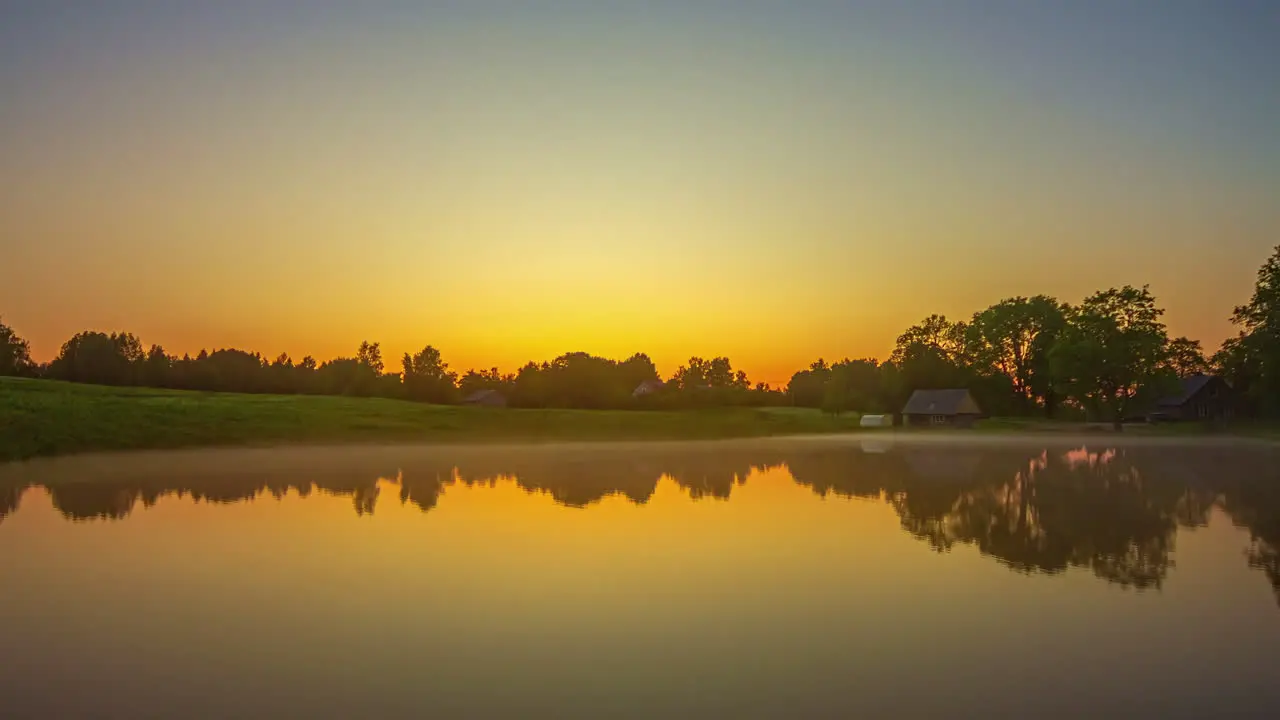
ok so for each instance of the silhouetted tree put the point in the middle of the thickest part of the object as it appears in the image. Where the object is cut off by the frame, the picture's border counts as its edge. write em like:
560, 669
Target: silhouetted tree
10, 496
946, 339
1013, 338
579, 380
94, 357
370, 355
345, 376
304, 373
284, 378
637, 369
157, 369
474, 381
15, 353
1112, 350
855, 385
926, 367
1251, 360
1184, 357
532, 386
808, 387
232, 370
711, 382
427, 377
835, 394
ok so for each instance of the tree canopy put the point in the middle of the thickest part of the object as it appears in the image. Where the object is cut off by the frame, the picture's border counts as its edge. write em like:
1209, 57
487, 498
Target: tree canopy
1251, 360
1111, 350
15, 353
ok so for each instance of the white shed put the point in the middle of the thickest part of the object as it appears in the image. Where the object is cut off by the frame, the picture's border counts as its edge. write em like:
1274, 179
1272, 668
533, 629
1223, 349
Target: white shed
876, 421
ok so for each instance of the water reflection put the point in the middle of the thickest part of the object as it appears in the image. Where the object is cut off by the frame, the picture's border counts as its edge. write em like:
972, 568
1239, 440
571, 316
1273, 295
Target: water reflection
1113, 510
10, 496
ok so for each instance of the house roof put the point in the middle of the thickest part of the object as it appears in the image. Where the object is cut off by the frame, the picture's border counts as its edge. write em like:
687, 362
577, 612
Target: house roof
479, 395
1191, 385
954, 401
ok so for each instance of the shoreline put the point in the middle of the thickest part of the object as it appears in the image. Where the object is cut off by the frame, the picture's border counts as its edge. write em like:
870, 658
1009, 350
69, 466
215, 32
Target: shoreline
40, 418
318, 453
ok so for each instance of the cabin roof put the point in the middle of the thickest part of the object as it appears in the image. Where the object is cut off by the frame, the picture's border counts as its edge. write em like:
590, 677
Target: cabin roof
952, 401
1191, 385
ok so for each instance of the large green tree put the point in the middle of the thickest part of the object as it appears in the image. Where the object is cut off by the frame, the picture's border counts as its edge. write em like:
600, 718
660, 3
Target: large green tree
807, 388
232, 370
157, 368
15, 353
1251, 360
427, 376
855, 385
947, 339
933, 354
637, 369
360, 375
1184, 357
474, 381
1111, 352
714, 373
95, 357
370, 355
703, 382
1013, 338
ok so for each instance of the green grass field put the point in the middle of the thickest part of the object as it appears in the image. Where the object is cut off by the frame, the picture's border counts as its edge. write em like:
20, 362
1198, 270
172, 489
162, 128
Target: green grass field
44, 417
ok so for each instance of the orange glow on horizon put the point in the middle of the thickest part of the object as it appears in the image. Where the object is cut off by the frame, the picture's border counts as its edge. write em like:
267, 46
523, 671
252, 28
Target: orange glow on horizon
514, 186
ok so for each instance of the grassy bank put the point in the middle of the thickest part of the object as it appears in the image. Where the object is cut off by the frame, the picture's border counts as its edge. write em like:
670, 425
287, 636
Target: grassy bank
1238, 428
44, 417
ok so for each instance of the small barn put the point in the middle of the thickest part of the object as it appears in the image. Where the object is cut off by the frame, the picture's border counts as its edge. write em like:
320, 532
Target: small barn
487, 398
648, 387
1200, 397
952, 407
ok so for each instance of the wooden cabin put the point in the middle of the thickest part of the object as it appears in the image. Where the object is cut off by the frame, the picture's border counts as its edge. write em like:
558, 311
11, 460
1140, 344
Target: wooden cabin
953, 407
1207, 398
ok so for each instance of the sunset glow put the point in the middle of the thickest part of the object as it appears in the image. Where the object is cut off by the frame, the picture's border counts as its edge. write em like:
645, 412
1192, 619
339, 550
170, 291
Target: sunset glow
512, 181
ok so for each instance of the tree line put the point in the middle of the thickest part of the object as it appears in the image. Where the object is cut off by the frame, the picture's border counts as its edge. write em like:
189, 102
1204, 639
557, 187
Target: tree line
1106, 357
573, 380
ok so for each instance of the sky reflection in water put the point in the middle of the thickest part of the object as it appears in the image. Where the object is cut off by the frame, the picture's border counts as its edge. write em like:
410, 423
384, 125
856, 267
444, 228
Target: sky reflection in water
758, 578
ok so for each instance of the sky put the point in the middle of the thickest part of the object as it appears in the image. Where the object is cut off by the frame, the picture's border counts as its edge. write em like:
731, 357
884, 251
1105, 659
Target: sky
508, 181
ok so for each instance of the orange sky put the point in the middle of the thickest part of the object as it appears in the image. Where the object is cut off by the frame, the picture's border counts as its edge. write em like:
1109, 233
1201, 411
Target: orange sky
770, 186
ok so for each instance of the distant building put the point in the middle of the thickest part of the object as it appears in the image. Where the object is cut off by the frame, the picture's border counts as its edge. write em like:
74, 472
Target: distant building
955, 407
488, 398
648, 387
1201, 397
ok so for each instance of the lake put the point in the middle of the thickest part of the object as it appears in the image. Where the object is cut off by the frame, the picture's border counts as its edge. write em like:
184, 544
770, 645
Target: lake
965, 576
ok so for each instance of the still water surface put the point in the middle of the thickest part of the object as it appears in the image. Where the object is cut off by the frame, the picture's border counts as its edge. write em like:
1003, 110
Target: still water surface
783, 578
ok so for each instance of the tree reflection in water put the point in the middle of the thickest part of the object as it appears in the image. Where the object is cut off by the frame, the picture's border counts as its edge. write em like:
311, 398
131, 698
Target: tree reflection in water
1115, 511
10, 496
